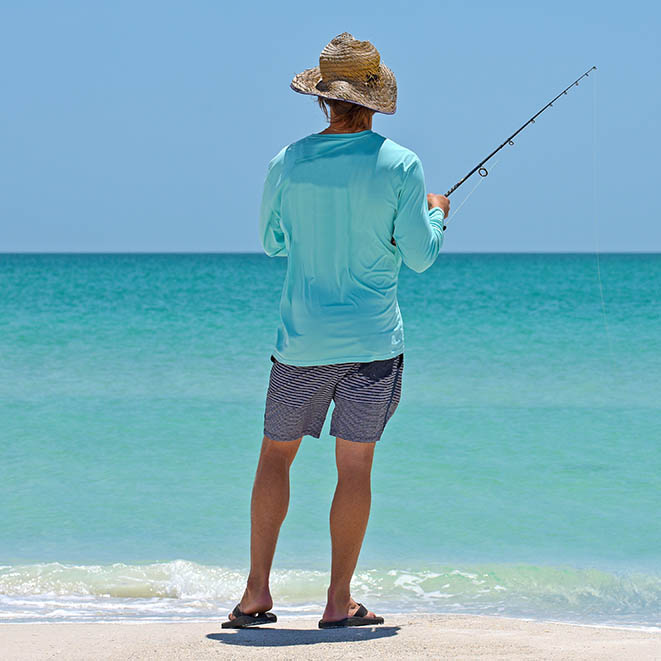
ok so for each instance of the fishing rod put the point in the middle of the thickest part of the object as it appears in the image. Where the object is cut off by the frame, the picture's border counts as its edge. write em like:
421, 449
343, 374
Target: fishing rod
480, 169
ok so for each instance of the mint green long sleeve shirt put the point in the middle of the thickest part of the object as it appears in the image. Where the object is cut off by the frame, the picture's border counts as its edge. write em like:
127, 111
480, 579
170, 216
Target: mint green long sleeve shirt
331, 205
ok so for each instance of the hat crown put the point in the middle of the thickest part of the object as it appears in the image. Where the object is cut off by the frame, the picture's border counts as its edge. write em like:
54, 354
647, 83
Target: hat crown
346, 58
350, 70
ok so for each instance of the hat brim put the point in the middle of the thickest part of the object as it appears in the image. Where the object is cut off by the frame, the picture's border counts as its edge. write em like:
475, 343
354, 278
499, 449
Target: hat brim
380, 98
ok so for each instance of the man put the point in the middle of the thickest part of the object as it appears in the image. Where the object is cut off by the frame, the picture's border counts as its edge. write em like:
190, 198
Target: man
346, 206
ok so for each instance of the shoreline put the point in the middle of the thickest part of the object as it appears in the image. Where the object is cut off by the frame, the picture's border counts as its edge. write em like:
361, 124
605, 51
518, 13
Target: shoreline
141, 620
412, 635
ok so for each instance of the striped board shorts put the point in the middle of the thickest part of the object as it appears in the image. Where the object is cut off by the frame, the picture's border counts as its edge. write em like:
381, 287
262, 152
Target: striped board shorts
365, 396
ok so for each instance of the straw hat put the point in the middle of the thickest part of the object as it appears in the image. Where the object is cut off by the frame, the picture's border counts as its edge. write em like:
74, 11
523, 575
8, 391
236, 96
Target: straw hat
350, 70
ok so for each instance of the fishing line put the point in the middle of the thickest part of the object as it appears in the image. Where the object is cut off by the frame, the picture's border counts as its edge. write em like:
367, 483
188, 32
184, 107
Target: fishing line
483, 172
453, 215
595, 215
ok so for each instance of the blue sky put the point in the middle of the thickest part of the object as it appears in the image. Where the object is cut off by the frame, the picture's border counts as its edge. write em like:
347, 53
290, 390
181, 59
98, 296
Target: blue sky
147, 126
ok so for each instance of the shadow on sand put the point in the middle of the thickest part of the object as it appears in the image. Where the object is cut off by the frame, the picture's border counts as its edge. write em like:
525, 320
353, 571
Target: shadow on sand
266, 637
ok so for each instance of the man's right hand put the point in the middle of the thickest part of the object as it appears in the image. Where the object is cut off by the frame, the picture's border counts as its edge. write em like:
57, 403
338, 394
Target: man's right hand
439, 201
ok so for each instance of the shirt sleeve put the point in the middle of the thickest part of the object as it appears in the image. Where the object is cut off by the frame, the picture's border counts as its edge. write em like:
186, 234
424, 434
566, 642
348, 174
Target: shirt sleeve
418, 230
270, 230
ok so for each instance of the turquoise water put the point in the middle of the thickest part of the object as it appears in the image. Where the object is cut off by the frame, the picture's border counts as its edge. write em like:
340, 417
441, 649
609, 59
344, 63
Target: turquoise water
520, 475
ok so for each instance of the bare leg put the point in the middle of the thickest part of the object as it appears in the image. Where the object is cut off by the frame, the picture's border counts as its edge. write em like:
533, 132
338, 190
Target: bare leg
348, 521
268, 508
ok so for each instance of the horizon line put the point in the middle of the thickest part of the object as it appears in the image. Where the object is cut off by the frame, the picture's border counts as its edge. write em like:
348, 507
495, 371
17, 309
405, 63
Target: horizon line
257, 252
219, 252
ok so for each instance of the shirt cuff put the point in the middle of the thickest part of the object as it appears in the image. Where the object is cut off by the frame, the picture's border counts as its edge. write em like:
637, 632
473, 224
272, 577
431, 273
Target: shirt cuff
436, 214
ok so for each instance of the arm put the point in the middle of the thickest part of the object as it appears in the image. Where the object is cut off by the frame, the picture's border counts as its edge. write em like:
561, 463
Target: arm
270, 230
418, 230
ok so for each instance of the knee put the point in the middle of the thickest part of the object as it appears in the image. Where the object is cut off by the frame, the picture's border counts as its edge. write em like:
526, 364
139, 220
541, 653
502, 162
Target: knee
353, 459
356, 472
279, 451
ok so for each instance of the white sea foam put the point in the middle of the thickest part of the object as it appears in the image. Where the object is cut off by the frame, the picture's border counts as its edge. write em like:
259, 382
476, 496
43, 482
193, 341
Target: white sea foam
181, 590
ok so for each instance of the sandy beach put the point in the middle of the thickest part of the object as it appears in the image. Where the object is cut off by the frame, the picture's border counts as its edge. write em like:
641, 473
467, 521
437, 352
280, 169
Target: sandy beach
402, 637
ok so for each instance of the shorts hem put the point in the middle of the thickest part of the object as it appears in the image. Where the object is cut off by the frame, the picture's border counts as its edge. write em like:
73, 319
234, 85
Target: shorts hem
334, 432
289, 440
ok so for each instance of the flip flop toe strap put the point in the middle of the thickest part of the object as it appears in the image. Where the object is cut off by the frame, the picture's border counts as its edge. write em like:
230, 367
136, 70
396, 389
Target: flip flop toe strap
237, 612
361, 612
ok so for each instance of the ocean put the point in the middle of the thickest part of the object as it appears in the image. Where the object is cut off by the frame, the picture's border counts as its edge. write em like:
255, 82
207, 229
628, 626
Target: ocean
520, 475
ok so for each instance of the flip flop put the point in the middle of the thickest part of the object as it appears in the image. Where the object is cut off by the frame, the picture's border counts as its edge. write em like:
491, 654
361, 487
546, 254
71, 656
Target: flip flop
358, 619
242, 620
